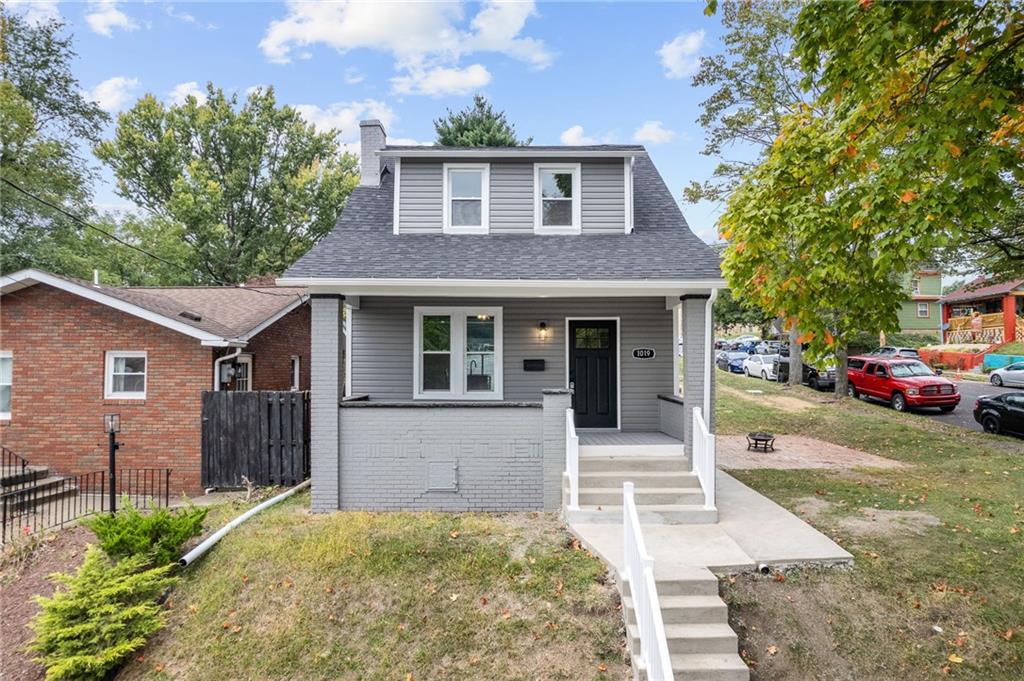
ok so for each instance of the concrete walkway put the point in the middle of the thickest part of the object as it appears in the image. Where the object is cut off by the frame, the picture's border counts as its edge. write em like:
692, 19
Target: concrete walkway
751, 530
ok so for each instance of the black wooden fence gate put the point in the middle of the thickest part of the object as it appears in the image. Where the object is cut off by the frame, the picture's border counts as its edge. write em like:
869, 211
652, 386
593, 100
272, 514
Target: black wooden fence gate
263, 436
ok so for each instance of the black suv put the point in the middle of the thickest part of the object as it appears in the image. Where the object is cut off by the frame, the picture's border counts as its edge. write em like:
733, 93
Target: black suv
813, 377
1001, 413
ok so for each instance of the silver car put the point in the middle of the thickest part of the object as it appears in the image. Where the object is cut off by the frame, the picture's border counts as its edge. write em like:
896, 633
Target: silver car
1011, 374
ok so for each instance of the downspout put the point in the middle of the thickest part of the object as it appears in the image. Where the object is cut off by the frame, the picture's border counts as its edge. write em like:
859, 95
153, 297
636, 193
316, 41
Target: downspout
709, 340
216, 367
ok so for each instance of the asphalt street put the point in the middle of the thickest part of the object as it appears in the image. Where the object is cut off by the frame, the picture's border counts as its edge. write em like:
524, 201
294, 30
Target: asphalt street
963, 415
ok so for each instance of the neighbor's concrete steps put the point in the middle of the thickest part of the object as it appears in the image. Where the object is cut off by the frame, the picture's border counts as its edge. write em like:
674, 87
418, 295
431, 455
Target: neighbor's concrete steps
701, 644
667, 492
32, 487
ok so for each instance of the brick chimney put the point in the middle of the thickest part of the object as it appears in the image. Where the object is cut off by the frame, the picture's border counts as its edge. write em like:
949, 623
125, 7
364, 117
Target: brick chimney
371, 140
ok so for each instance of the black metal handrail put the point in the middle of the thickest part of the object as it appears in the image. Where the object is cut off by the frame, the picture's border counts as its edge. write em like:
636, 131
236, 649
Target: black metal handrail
54, 502
14, 469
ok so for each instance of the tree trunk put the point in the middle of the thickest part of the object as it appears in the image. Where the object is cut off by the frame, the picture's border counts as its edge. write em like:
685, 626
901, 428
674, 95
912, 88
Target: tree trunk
841, 364
796, 365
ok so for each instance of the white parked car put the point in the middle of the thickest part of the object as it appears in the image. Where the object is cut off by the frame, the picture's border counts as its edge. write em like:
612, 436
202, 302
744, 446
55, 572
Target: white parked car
1011, 374
761, 366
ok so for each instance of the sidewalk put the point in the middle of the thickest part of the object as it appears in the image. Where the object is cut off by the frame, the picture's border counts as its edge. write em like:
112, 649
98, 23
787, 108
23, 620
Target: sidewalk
751, 530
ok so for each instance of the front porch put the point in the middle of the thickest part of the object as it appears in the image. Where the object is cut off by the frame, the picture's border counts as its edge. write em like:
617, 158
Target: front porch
463, 403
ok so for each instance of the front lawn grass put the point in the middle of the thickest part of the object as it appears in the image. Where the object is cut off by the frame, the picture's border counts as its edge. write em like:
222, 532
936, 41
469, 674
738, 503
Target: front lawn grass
921, 602
292, 594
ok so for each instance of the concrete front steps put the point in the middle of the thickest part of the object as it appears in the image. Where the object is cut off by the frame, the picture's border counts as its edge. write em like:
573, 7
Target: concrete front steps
32, 487
667, 492
701, 644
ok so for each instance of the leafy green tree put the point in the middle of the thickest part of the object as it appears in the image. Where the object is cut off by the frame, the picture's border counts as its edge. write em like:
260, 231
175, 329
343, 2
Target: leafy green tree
252, 185
730, 311
996, 248
478, 125
756, 83
44, 122
918, 130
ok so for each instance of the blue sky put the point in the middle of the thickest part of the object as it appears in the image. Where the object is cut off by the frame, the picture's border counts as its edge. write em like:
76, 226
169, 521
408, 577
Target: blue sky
564, 72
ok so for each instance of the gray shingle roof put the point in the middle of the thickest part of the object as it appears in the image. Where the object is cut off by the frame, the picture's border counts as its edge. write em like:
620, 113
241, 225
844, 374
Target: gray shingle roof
527, 150
225, 311
661, 247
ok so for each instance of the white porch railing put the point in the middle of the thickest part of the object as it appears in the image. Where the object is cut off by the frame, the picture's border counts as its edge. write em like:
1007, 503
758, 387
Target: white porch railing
572, 459
639, 572
704, 457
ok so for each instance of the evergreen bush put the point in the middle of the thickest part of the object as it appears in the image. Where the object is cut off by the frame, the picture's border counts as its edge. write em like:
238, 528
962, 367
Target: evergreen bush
105, 612
157, 535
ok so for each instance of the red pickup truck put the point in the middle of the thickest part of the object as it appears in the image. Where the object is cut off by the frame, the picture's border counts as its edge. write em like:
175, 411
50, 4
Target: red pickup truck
903, 383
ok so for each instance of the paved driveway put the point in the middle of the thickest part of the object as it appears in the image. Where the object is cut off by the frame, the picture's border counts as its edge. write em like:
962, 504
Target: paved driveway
963, 415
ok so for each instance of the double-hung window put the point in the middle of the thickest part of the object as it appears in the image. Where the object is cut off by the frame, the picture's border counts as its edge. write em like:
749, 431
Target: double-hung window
6, 384
466, 198
458, 353
923, 311
556, 198
243, 373
125, 375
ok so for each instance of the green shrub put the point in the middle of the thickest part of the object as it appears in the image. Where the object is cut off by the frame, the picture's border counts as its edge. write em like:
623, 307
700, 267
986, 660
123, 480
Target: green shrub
157, 535
105, 613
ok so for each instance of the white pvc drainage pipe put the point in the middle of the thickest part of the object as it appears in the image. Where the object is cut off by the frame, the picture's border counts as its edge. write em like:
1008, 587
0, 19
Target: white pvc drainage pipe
209, 542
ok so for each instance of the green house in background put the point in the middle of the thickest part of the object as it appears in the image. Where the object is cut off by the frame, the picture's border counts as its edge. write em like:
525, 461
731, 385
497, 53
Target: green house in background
920, 312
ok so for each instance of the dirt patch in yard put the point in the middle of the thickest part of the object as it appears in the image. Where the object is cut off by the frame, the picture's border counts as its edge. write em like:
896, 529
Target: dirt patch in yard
795, 451
811, 626
871, 521
782, 402
23, 576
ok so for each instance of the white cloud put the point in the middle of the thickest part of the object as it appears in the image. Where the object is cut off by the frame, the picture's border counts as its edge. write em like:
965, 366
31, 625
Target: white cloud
680, 55
35, 11
574, 136
104, 16
653, 132
182, 91
345, 116
173, 12
442, 80
114, 93
425, 38
353, 76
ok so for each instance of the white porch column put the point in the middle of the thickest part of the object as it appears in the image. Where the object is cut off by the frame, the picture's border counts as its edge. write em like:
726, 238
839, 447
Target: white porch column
698, 357
325, 386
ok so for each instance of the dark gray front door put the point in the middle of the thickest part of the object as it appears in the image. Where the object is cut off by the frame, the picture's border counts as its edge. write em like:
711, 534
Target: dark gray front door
593, 370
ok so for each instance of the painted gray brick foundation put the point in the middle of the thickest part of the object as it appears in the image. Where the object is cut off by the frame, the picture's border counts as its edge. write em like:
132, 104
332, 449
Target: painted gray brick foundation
695, 342
672, 417
389, 456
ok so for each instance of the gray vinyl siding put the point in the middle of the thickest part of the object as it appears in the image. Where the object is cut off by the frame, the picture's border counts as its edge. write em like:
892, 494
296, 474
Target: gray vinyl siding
382, 348
602, 200
512, 198
603, 197
421, 194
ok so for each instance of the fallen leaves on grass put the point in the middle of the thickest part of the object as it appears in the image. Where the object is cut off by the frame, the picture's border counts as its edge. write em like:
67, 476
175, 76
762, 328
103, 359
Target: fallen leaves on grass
772, 650
955, 659
1007, 635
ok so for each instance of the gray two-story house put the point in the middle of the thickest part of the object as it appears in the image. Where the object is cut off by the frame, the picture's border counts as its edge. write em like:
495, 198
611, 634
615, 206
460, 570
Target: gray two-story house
478, 313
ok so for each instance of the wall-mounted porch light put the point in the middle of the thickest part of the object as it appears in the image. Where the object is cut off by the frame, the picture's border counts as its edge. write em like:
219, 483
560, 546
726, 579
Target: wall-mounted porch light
542, 327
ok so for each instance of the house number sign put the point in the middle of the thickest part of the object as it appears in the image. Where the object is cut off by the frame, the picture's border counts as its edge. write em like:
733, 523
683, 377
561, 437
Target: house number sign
643, 353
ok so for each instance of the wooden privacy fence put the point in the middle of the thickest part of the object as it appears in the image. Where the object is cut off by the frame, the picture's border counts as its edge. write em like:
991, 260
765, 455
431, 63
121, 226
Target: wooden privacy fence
262, 436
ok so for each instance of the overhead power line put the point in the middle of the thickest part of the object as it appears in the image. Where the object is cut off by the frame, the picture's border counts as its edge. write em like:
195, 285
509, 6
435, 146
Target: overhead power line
109, 235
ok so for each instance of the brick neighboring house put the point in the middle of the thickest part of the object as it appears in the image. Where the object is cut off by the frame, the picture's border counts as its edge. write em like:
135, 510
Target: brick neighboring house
71, 351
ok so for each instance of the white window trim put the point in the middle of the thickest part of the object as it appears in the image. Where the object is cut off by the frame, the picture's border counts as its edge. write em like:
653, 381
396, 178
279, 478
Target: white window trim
485, 199
7, 354
296, 366
458, 354
577, 185
927, 311
396, 218
247, 361
108, 376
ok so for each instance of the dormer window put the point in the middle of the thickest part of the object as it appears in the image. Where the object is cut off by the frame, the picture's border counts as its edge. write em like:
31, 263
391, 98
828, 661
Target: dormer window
556, 188
466, 198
